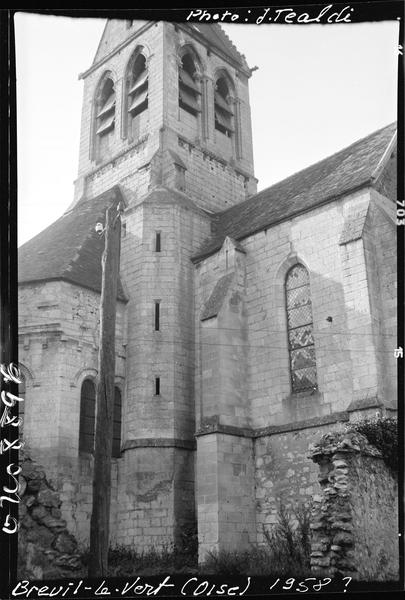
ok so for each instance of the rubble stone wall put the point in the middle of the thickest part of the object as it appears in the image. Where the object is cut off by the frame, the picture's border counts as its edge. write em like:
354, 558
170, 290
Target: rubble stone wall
355, 517
46, 550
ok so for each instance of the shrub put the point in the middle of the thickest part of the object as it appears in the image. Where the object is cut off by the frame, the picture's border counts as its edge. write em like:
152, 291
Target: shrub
286, 552
289, 542
382, 433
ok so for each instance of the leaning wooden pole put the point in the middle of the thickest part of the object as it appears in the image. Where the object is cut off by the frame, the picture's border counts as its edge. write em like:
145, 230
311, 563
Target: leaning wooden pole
100, 516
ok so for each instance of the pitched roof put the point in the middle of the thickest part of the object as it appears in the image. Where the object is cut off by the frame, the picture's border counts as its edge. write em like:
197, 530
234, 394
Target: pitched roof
70, 249
340, 173
217, 37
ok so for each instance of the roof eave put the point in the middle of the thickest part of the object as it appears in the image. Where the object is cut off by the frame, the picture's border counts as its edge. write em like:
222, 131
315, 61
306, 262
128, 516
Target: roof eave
121, 298
367, 183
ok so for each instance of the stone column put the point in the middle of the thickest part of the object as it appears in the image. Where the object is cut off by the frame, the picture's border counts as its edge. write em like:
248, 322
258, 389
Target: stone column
206, 85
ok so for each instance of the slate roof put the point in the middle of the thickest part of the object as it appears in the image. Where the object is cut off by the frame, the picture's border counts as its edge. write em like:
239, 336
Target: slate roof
70, 249
338, 174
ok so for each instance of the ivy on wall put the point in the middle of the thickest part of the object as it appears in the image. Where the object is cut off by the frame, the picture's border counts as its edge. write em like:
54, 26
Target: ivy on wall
382, 433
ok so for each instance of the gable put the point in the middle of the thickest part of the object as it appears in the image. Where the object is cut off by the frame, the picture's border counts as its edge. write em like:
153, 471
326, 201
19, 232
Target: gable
116, 31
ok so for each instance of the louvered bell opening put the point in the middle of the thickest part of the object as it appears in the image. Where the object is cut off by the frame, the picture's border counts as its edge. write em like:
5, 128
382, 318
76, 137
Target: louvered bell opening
105, 125
221, 103
108, 106
223, 121
139, 81
138, 103
189, 101
187, 81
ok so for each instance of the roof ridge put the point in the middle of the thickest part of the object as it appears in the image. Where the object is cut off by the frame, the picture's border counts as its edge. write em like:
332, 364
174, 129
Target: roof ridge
311, 166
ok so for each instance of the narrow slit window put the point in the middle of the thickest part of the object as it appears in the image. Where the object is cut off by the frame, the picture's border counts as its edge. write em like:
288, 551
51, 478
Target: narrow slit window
157, 386
157, 316
158, 242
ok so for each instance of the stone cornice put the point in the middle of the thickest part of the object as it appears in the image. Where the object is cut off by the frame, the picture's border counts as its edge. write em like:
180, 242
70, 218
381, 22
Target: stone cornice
211, 425
159, 443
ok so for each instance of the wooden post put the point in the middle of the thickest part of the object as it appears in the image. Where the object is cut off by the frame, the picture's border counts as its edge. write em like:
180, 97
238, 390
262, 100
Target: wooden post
100, 516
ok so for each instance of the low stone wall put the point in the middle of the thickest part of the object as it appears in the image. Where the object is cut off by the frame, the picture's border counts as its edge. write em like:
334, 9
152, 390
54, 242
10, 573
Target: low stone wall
46, 550
355, 518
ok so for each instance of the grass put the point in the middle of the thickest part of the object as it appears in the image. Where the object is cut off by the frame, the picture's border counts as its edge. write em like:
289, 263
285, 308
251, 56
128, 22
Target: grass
285, 552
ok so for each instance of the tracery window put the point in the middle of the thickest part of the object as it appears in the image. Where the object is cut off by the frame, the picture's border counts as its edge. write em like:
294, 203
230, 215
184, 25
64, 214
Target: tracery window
300, 330
189, 90
223, 108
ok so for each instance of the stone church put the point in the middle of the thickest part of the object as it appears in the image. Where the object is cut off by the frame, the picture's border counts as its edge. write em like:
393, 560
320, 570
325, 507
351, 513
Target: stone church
248, 323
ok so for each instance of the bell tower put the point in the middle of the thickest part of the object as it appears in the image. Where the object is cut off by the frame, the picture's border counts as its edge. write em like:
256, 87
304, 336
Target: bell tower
166, 117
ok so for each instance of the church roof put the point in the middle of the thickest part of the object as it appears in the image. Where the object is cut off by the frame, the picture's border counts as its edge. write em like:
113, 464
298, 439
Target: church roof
70, 249
345, 171
217, 37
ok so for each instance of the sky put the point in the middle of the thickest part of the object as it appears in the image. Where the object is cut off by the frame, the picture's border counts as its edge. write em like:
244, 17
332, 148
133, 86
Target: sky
318, 89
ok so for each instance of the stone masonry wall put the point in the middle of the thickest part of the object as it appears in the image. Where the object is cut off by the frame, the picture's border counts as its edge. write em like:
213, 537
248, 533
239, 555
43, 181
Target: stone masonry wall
46, 550
225, 493
283, 473
355, 517
59, 349
342, 314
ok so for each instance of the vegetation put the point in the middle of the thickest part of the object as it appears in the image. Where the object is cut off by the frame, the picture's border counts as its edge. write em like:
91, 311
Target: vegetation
286, 551
382, 433
180, 558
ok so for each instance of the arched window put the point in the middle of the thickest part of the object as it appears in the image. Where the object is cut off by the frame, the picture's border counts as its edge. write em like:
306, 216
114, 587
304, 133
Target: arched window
137, 94
300, 330
87, 419
189, 89
105, 118
223, 107
116, 444
87, 416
